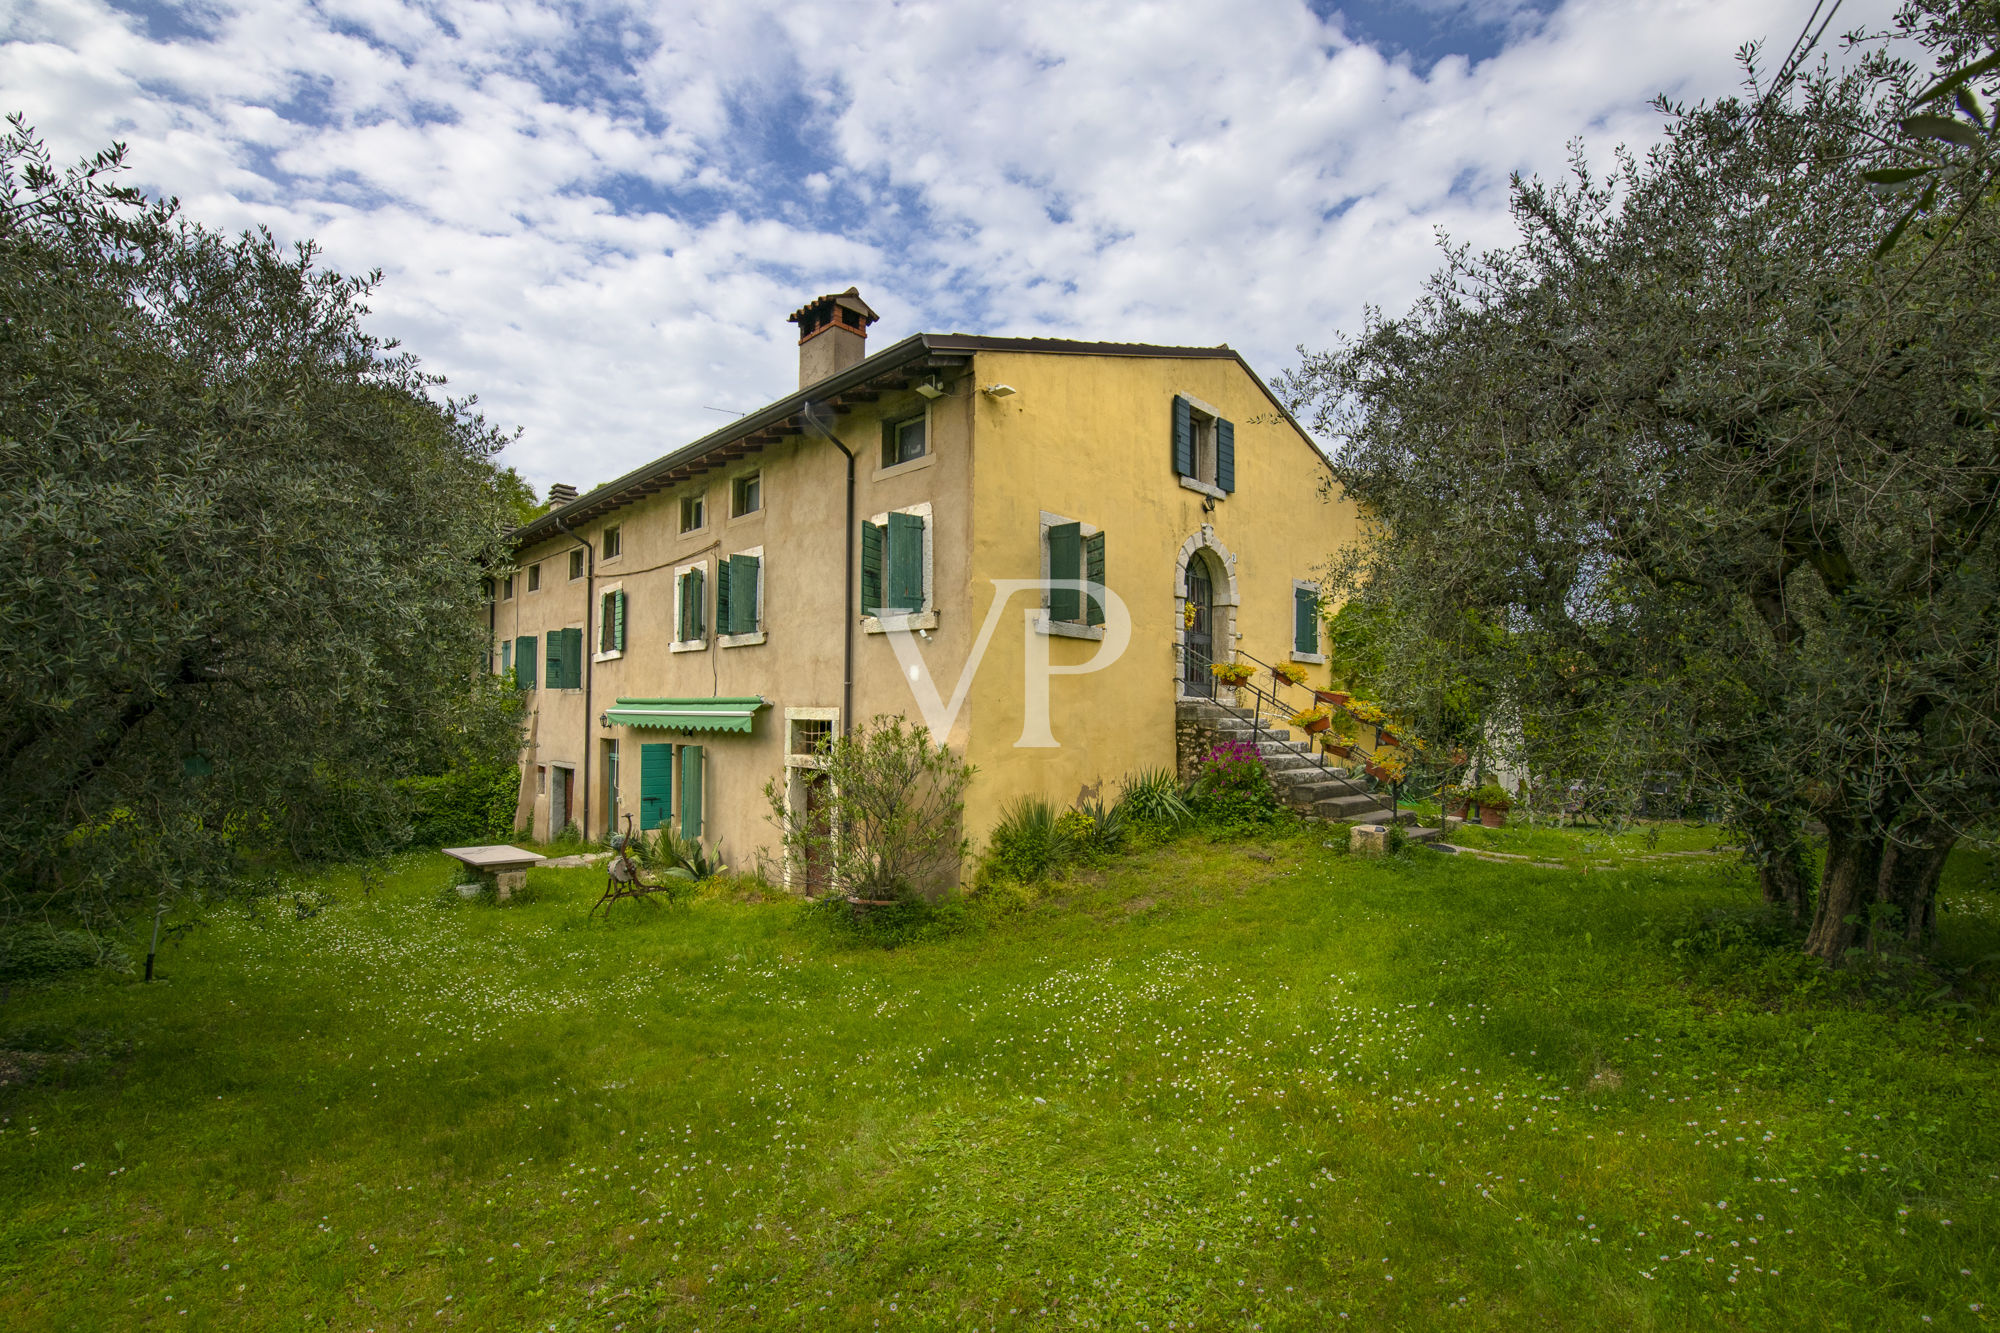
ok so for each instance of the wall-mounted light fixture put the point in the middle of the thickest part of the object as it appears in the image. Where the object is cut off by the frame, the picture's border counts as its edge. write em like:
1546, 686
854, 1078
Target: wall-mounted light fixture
930, 388
998, 391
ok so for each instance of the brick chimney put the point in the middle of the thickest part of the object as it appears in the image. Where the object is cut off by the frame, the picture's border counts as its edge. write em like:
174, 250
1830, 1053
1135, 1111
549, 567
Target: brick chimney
561, 494
833, 334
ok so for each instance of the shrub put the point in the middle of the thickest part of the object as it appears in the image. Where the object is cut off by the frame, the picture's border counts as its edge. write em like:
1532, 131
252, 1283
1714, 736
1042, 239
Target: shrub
1153, 797
1028, 842
42, 953
894, 822
908, 920
461, 807
1232, 791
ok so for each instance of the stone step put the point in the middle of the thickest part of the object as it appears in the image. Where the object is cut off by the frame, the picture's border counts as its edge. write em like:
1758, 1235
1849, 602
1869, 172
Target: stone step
1356, 809
1244, 730
1312, 798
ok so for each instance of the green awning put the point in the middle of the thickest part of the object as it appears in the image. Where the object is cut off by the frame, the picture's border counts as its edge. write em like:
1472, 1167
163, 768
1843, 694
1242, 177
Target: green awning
731, 714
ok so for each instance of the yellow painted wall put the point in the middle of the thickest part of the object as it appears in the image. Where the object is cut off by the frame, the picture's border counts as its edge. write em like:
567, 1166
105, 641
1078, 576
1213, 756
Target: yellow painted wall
1089, 438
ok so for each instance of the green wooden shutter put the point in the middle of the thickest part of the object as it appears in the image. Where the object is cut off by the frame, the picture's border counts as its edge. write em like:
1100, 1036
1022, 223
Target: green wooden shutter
905, 564
685, 617
555, 675
696, 580
618, 621
690, 791
743, 593
506, 656
871, 568
1183, 437
1305, 621
722, 591
1093, 570
1225, 454
604, 621
1065, 562
524, 661
656, 785
573, 659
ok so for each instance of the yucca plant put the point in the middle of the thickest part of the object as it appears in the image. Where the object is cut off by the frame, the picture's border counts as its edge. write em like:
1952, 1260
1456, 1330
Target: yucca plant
1154, 796
1028, 842
671, 854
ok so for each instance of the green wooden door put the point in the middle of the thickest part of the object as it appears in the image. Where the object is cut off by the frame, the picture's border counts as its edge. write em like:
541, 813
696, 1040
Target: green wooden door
656, 784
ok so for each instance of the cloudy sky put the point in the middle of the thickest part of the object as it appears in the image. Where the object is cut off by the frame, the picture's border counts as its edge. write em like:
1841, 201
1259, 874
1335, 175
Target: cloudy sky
596, 215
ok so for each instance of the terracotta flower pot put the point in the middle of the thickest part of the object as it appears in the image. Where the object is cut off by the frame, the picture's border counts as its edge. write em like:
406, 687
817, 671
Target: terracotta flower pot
1334, 697
1491, 818
1315, 727
1384, 738
1456, 809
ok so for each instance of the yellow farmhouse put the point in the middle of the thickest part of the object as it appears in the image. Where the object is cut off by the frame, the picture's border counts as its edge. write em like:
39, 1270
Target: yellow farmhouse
1035, 547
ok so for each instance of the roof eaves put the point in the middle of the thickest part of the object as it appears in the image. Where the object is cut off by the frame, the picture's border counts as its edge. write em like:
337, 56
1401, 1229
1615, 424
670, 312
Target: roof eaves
614, 493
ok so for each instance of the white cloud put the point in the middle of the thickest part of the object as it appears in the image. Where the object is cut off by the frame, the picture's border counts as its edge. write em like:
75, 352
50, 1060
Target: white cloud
597, 218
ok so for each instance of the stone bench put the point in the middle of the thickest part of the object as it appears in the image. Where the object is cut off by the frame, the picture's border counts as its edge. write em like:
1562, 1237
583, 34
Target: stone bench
502, 869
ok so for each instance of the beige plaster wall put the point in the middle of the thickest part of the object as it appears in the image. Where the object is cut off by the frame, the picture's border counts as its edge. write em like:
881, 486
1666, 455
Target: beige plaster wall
800, 529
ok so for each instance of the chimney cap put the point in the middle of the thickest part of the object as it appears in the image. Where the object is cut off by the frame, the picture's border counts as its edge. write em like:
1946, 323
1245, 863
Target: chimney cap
561, 494
818, 313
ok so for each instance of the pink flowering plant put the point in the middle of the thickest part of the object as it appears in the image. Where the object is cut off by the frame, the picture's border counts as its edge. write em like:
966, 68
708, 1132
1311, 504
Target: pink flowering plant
1232, 790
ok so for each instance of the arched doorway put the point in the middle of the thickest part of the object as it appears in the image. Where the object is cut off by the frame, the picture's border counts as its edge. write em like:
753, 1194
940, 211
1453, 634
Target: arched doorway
1205, 602
1198, 639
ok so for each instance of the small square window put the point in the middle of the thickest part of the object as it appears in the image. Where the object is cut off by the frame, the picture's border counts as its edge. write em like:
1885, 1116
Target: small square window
541, 779
691, 515
576, 563
747, 494
902, 441
507, 589
534, 578
809, 735
613, 543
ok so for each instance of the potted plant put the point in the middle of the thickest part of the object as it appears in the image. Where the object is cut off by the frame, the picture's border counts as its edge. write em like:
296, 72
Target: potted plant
1232, 673
1386, 738
1493, 802
1312, 720
1291, 673
1453, 798
1389, 768
1363, 711
1338, 698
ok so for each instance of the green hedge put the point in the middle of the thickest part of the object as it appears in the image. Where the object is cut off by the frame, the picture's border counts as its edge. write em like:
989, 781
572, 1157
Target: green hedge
461, 807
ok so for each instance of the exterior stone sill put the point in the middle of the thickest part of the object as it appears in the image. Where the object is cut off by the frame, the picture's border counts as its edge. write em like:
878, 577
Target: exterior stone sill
739, 640
898, 469
1315, 659
1066, 629
688, 646
913, 621
1203, 488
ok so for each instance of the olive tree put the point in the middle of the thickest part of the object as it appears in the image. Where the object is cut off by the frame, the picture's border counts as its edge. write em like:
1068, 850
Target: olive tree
244, 544
1703, 472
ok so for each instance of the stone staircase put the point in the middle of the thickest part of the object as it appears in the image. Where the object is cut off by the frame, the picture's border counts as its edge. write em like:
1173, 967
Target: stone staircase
1302, 782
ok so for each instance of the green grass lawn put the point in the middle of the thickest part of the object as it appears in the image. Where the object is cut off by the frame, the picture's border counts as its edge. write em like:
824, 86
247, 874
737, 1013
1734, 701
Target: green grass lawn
1254, 1084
